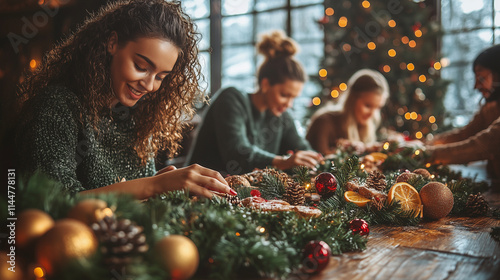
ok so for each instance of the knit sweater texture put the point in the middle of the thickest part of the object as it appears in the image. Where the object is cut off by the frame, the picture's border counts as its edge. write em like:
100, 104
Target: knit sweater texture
57, 143
235, 137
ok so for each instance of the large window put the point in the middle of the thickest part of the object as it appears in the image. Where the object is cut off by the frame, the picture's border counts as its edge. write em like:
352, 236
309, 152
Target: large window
231, 28
469, 27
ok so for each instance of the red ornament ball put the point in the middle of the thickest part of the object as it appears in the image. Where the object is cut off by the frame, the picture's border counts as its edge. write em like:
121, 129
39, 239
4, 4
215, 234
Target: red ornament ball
316, 256
359, 226
255, 193
325, 184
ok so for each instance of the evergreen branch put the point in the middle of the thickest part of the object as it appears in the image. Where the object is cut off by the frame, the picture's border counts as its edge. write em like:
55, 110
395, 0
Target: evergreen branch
271, 187
302, 175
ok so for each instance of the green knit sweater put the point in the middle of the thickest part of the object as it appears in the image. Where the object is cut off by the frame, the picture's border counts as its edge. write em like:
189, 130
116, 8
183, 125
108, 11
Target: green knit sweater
58, 144
234, 137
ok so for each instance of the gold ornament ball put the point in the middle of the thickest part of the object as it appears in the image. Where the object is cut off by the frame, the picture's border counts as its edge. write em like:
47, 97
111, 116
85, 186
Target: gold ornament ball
178, 255
88, 211
31, 224
424, 172
68, 240
10, 268
437, 200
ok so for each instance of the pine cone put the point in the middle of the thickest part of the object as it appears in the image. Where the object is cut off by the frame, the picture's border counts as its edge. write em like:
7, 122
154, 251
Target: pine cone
232, 199
237, 180
376, 180
121, 241
282, 176
294, 193
476, 205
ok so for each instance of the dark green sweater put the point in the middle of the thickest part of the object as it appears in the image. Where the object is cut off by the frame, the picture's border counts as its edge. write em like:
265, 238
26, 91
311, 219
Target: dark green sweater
57, 143
234, 137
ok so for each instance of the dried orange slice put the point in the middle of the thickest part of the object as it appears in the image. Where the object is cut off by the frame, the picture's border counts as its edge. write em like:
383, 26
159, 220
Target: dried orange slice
379, 156
356, 198
407, 196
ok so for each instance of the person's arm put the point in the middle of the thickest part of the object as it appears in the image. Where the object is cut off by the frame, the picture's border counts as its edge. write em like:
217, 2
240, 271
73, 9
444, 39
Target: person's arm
195, 179
478, 123
478, 147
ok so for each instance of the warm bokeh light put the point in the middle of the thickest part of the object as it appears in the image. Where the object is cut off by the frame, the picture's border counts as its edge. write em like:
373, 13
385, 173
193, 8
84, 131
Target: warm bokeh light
334, 93
386, 146
38, 271
402, 66
405, 40
417, 152
413, 115
434, 126
410, 66
391, 52
422, 78
238, 234
33, 64
432, 119
342, 21
392, 23
418, 33
437, 66
418, 135
322, 73
343, 86
365, 4
407, 115
412, 44
386, 68
401, 111
371, 45
346, 47
428, 165
41, 2
419, 117
329, 11
316, 101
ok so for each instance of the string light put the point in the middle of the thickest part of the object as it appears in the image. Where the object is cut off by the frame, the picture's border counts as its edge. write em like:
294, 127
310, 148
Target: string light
417, 152
261, 229
413, 115
33, 64
392, 23
445, 62
371, 45
329, 11
38, 271
422, 78
407, 116
402, 65
418, 135
346, 47
323, 73
401, 111
433, 176
428, 165
391, 53
412, 44
362, 166
307, 187
410, 66
418, 33
238, 234
437, 65
432, 119
419, 117
386, 146
365, 4
343, 86
434, 127
316, 101
334, 93
342, 21
386, 68
405, 40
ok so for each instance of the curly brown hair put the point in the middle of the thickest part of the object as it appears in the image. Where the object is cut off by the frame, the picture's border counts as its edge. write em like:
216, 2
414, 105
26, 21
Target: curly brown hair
81, 63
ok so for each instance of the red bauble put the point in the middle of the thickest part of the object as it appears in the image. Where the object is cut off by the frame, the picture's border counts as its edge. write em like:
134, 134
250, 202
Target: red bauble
359, 226
316, 256
325, 184
255, 193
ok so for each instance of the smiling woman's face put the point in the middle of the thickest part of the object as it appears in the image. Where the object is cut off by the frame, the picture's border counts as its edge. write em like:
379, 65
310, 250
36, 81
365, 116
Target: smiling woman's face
139, 67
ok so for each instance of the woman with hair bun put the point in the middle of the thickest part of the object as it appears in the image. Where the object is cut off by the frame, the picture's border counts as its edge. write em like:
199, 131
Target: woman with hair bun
354, 120
240, 131
107, 98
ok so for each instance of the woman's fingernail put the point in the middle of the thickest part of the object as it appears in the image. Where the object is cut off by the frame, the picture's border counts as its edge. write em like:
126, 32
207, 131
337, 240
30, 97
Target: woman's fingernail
232, 192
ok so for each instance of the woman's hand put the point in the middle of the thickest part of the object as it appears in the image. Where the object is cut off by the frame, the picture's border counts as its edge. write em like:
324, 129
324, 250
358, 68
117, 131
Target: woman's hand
306, 158
196, 179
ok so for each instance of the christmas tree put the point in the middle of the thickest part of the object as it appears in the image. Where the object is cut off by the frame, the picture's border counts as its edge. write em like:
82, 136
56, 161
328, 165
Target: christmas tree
400, 40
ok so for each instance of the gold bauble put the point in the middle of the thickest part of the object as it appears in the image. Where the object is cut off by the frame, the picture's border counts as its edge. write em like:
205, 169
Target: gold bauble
437, 200
178, 255
10, 267
68, 240
31, 224
88, 211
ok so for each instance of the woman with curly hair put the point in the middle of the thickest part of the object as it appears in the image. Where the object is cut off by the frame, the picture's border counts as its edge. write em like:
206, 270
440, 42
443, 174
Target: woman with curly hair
353, 121
241, 132
112, 94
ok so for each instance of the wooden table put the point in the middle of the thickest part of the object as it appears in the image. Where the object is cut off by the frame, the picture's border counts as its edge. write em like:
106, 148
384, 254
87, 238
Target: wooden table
450, 248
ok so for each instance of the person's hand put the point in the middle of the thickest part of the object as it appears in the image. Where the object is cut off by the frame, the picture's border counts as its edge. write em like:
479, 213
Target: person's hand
196, 179
166, 169
306, 158
357, 147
